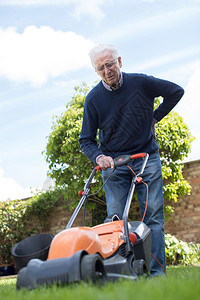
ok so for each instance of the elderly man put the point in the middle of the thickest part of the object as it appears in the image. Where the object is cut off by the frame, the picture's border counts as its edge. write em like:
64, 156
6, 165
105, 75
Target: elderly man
121, 108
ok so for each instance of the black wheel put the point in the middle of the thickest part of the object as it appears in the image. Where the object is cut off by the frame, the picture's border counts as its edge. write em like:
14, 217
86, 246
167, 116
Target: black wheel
139, 267
21, 278
92, 269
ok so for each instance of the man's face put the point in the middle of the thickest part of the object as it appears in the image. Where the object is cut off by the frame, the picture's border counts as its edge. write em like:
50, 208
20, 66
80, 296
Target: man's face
109, 73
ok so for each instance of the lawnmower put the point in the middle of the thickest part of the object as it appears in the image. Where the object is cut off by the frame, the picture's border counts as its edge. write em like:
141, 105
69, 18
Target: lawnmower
112, 250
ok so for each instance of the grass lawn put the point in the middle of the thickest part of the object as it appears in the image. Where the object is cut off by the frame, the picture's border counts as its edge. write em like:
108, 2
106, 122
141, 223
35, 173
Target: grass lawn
181, 283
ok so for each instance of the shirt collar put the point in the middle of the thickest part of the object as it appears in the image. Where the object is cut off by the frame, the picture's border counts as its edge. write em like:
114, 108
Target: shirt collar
110, 88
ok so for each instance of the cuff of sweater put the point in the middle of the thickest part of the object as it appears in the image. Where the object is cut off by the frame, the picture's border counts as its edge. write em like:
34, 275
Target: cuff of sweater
99, 157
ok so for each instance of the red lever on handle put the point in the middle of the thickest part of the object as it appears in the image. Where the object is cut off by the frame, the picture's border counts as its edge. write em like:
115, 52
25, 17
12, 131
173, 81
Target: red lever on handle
133, 238
138, 155
80, 194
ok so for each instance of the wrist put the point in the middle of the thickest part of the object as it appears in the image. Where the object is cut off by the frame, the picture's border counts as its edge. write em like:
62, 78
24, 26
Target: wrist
99, 156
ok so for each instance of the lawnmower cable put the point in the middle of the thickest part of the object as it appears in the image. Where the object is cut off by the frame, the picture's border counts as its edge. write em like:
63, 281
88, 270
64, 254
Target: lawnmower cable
146, 196
144, 217
90, 195
102, 185
146, 200
159, 263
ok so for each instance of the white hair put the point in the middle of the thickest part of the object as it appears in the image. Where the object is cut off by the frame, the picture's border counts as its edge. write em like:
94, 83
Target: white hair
101, 48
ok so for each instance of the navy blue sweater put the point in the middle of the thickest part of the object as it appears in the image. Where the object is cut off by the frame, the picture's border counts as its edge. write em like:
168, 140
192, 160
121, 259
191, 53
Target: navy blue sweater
123, 118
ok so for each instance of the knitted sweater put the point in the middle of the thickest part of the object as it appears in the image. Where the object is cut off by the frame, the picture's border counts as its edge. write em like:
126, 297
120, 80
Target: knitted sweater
123, 118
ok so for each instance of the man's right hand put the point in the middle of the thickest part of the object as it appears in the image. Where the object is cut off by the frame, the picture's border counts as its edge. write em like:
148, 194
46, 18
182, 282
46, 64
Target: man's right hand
105, 162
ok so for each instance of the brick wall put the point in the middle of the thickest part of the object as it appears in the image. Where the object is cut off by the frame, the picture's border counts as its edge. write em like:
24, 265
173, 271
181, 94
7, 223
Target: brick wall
60, 216
185, 221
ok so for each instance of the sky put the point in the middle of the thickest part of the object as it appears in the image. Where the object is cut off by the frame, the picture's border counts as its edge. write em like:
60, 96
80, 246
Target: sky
44, 47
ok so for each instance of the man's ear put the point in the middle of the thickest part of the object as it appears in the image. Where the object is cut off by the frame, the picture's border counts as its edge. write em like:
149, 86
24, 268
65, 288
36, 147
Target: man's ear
120, 61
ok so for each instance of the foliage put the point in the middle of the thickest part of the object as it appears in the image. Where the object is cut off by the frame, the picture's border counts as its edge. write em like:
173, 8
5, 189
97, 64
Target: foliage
43, 202
67, 164
179, 252
70, 167
174, 140
12, 226
15, 216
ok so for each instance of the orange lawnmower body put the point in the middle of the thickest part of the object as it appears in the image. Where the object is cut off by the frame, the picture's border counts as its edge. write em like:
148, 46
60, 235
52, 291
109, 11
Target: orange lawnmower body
104, 239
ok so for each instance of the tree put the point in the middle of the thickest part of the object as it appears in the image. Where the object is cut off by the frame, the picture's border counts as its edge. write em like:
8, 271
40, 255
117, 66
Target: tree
69, 166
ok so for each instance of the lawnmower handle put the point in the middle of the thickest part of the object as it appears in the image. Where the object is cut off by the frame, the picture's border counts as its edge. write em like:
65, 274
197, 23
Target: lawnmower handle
124, 159
138, 155
118, 161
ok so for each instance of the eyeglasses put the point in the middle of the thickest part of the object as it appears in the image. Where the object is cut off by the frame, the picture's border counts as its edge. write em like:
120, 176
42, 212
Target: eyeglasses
109, 65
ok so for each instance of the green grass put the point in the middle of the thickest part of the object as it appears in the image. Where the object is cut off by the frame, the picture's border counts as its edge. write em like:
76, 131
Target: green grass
181, 283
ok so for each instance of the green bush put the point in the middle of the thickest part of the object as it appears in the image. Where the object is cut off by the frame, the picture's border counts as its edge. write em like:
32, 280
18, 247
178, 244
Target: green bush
12, 226
16, 214
179, 252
